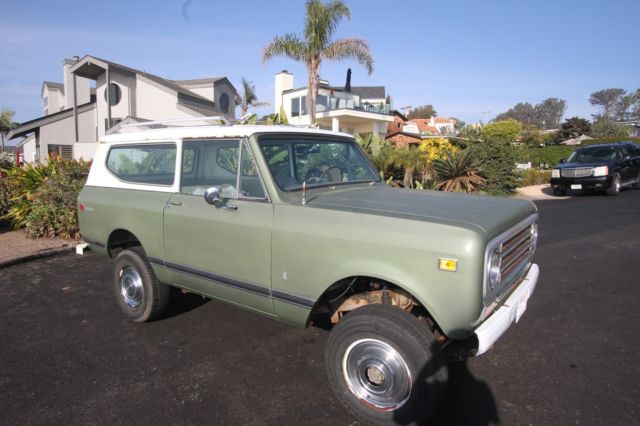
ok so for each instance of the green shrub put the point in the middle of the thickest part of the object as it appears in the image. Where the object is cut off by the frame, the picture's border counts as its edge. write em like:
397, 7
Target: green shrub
550, 155
7, 192
535, 177
53, 206
598, 141
498, 162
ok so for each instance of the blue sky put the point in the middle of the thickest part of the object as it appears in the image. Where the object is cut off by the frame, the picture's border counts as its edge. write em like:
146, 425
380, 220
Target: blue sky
470, 59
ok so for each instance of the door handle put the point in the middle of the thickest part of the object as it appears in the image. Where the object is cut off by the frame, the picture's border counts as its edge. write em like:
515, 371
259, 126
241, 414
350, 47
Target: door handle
173, 203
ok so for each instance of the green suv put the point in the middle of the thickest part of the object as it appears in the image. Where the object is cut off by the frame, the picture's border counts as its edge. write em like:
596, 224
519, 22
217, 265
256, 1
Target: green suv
296, 224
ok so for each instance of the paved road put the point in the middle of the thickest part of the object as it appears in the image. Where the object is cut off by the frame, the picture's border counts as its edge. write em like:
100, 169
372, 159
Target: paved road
68, 356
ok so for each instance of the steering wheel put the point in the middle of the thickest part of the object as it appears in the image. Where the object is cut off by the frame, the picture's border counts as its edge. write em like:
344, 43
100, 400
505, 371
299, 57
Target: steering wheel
315, 175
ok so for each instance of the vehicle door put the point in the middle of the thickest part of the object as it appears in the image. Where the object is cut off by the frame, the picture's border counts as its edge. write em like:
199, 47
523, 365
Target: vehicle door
222, 250
628, 169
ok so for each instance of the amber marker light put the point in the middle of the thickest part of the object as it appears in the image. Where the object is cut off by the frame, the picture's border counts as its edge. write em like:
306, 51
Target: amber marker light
450, 265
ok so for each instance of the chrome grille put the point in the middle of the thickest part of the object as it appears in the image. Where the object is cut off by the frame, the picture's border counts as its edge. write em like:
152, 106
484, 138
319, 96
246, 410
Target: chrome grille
576, 173
516, 252
514, 249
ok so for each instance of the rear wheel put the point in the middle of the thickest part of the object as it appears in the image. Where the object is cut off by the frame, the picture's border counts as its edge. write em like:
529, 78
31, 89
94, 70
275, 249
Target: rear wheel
616, 185
139, 294
385, 366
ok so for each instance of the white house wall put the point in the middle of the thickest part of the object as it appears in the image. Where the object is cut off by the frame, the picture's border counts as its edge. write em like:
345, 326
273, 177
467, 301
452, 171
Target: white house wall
156, 102
62, 132
204, 90
29, 151
220, 88
124, 108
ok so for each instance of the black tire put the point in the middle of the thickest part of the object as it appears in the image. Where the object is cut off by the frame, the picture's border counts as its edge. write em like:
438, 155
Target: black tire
559, 192
616, 185
353, 360
138, 292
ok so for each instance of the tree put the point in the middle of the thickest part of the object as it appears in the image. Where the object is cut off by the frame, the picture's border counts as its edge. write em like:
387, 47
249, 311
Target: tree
545, 115
458, 124
574, 127
315, 45
549, 113
607, 128
608, 100
458, 172
498, 161
424, 111
523, 112
409, 159
6, 124
248, 97
505, 131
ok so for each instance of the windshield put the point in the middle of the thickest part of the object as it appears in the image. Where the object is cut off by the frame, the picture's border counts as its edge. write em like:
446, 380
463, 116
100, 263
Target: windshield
594, 155
316, 161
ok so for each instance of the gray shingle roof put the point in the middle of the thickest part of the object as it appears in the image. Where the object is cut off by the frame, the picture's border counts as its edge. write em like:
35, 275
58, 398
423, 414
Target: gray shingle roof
163, 81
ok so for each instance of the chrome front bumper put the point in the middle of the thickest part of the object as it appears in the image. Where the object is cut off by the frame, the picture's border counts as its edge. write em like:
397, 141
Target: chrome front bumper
507, 314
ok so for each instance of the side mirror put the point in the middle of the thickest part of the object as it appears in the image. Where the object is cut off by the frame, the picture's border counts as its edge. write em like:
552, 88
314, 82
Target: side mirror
213, 196
562, 161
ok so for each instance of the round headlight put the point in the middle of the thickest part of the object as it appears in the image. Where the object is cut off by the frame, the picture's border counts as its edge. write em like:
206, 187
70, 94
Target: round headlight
494, 273
534, 235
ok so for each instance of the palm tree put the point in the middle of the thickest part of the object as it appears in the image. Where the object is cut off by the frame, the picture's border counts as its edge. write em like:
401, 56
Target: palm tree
248, 98
320, 24
409, 159
458, 172
6, 125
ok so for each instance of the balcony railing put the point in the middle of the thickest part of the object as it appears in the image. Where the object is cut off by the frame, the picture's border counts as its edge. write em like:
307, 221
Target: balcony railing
348, 101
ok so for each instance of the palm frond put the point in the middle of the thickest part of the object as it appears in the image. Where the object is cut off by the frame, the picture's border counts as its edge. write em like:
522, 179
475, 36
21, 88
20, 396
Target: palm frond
352, 47
322, 21
288, 45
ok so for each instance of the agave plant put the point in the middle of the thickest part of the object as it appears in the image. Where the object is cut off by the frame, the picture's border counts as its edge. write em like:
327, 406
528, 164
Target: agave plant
458, 172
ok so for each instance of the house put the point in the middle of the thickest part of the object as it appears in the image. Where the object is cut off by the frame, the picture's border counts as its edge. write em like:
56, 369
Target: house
80, 110
403, 132
357, 109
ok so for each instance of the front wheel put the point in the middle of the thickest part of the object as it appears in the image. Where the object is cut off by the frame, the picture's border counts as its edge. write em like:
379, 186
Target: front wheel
139, 294
616, 185
385, 366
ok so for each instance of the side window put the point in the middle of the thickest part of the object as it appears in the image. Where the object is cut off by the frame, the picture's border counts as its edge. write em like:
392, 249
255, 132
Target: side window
250, 184
215, 163
145, 163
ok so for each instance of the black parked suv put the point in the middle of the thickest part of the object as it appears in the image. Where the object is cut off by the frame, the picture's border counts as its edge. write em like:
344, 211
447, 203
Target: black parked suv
608, 167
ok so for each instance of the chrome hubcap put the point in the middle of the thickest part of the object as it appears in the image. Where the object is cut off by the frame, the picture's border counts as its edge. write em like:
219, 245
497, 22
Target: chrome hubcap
376, 374
131, 286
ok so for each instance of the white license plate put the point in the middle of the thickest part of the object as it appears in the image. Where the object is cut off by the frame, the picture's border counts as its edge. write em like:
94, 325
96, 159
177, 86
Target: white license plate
522, 306
578, 186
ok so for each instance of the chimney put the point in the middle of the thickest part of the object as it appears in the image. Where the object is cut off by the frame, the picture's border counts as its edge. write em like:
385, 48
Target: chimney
82, 84
284, 81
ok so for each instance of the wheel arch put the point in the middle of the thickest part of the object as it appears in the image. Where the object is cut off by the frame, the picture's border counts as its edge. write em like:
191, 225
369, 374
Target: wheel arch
121, 239
328, 294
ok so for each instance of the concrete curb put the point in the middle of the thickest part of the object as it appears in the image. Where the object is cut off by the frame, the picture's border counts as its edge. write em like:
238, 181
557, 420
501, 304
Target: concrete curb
38, 255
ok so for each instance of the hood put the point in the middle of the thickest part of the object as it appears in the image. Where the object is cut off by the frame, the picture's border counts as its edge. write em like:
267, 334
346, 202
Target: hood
488, 214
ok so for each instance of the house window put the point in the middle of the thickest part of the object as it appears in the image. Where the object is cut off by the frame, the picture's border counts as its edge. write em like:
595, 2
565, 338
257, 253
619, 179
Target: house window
224, 103
115, 93
303, 105
295, 107
63, 151
46, 102
322, 103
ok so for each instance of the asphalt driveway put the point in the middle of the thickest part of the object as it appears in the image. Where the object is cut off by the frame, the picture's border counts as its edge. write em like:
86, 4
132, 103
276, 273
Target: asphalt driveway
68, 356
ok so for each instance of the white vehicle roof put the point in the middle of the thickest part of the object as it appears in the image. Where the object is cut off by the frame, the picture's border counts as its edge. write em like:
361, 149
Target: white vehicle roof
209, 131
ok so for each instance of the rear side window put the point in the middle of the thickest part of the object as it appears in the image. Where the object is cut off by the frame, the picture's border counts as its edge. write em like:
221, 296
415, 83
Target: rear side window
146, 164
